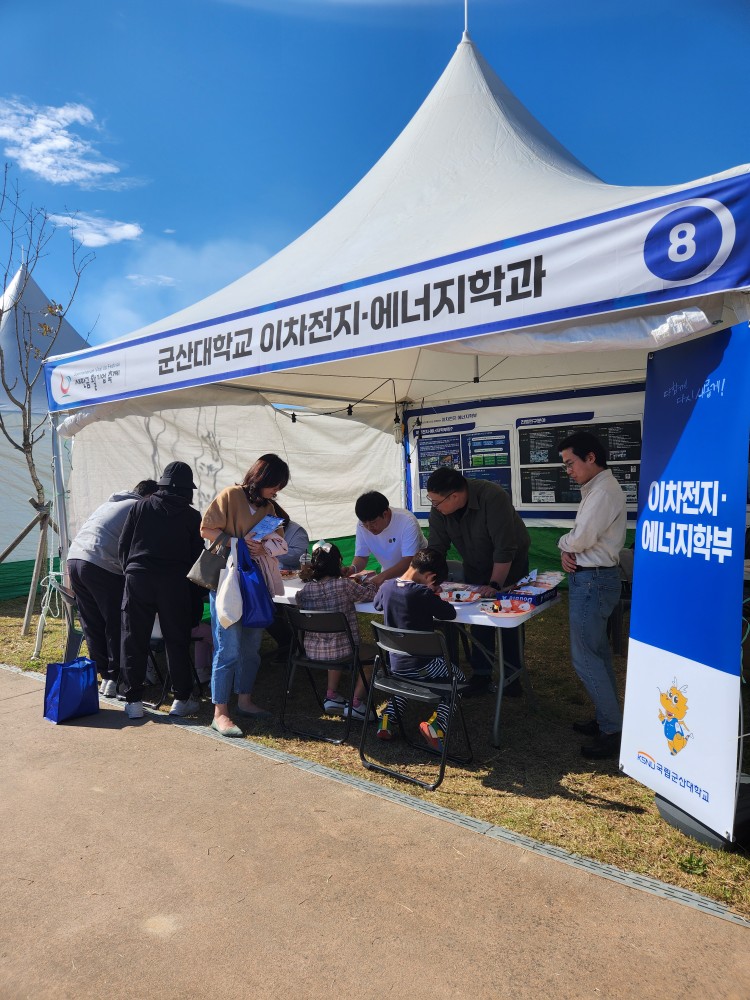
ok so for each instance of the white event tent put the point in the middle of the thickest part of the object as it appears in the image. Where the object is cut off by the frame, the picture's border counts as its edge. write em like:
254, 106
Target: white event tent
477, 258
23, 308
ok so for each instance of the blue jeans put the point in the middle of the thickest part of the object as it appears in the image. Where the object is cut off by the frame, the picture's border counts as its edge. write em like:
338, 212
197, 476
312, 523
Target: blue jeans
592, 598
236, 658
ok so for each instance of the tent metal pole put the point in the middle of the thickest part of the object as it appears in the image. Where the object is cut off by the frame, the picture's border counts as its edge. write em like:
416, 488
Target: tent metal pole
59, 504
404, 501
41, 554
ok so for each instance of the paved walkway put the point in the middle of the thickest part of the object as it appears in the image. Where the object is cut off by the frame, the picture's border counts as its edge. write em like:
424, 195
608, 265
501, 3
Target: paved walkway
141, 859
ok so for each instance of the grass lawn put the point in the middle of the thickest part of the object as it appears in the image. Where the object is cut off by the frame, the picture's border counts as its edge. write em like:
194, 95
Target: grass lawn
536, 783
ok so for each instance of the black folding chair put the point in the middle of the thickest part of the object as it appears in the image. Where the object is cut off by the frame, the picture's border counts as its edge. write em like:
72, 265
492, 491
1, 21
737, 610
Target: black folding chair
616, 631
428, 693
618, 635
163, 680
305, 623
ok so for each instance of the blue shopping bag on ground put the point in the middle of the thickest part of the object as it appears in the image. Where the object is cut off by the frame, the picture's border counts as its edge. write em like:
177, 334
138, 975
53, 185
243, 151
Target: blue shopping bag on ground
257, 606
70, 690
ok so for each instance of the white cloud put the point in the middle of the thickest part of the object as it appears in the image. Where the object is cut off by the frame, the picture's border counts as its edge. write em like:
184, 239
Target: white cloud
150, 280
41, 141
93, 231
160, 277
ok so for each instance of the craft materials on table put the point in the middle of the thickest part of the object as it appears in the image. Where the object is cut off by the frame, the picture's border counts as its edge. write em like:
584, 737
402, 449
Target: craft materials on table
459, 595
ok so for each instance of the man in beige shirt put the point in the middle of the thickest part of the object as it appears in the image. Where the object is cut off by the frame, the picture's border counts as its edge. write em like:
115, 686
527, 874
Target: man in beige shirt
590, 557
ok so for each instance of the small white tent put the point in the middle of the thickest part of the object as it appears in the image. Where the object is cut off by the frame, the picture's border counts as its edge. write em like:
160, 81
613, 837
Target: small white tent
23, 310
476, 236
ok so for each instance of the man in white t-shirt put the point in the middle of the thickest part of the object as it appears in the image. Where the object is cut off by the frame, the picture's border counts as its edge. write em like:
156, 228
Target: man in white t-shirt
392, 535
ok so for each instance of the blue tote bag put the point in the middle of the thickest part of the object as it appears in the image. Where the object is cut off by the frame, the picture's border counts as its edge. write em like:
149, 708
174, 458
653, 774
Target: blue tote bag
257, 606
70, 690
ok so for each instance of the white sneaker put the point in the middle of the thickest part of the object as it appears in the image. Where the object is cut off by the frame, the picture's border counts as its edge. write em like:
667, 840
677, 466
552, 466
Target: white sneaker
189, 706
358, 712
108, 689
336, 705
134, 709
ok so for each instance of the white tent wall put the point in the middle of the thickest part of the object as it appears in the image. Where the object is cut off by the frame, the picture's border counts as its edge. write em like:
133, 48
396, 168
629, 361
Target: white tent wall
23, 309
220, 431
18, 487
16, 570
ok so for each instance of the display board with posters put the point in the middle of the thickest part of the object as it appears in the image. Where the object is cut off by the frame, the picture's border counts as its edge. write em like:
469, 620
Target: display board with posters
680, 733
515, 443
480, 454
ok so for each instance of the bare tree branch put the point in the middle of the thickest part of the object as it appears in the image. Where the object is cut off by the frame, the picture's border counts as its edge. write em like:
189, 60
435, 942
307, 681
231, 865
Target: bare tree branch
26, 235
5, 433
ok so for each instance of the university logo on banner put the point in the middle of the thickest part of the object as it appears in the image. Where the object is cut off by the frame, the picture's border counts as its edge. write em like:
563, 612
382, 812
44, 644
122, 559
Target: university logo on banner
680, 732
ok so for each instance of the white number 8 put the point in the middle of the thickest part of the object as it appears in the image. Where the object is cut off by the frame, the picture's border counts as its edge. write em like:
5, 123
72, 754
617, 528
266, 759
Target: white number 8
681, 242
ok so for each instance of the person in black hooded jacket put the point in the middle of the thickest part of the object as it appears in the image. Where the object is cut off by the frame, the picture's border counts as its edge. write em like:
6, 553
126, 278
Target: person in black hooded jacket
159, 543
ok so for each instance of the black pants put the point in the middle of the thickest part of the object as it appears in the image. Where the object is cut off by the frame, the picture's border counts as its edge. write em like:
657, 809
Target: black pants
513, 643
146, 595
513, 640
99, 600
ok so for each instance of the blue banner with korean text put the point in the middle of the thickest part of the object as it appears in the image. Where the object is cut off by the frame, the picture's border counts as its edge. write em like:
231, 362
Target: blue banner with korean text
682, 699
678, 246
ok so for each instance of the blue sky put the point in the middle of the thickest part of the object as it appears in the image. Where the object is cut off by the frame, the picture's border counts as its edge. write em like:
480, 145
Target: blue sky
192, 139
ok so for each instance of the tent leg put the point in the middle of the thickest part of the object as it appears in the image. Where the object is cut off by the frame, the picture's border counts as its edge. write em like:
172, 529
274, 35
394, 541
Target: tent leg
40, 629
61, 529
59, 503
41, 552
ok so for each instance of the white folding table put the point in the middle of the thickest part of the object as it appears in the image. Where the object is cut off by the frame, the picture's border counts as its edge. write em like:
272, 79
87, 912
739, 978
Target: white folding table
466, 614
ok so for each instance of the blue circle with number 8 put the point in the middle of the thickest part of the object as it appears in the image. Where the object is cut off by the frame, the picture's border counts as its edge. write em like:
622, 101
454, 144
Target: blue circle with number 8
683, 243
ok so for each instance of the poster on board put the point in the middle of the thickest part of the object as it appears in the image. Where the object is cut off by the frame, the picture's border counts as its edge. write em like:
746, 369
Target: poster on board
458, 444
683, 685
514, 442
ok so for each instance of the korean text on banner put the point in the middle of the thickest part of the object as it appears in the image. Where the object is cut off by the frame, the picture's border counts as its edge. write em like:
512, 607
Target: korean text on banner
682, 699
692, 242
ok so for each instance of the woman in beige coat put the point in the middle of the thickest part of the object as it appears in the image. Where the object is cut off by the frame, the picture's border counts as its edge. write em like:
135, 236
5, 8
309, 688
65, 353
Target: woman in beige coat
236, 511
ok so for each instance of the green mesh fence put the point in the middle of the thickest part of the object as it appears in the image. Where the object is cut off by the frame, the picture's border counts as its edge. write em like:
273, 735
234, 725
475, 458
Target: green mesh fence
15, 578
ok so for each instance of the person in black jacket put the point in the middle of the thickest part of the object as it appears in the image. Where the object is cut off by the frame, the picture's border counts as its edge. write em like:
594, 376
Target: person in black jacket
159, 543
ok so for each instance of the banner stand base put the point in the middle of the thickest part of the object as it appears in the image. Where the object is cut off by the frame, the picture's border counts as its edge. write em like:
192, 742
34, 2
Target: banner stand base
692, 827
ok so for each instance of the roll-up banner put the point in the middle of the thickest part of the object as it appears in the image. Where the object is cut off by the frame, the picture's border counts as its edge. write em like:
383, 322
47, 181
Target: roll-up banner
685, 244
680, 732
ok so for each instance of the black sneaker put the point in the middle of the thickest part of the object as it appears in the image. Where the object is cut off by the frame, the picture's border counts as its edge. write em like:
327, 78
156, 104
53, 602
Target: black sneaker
604, 747
478, 684
590, 728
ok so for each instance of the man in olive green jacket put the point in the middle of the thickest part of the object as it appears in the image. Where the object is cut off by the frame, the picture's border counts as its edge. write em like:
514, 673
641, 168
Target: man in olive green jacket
478, 518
